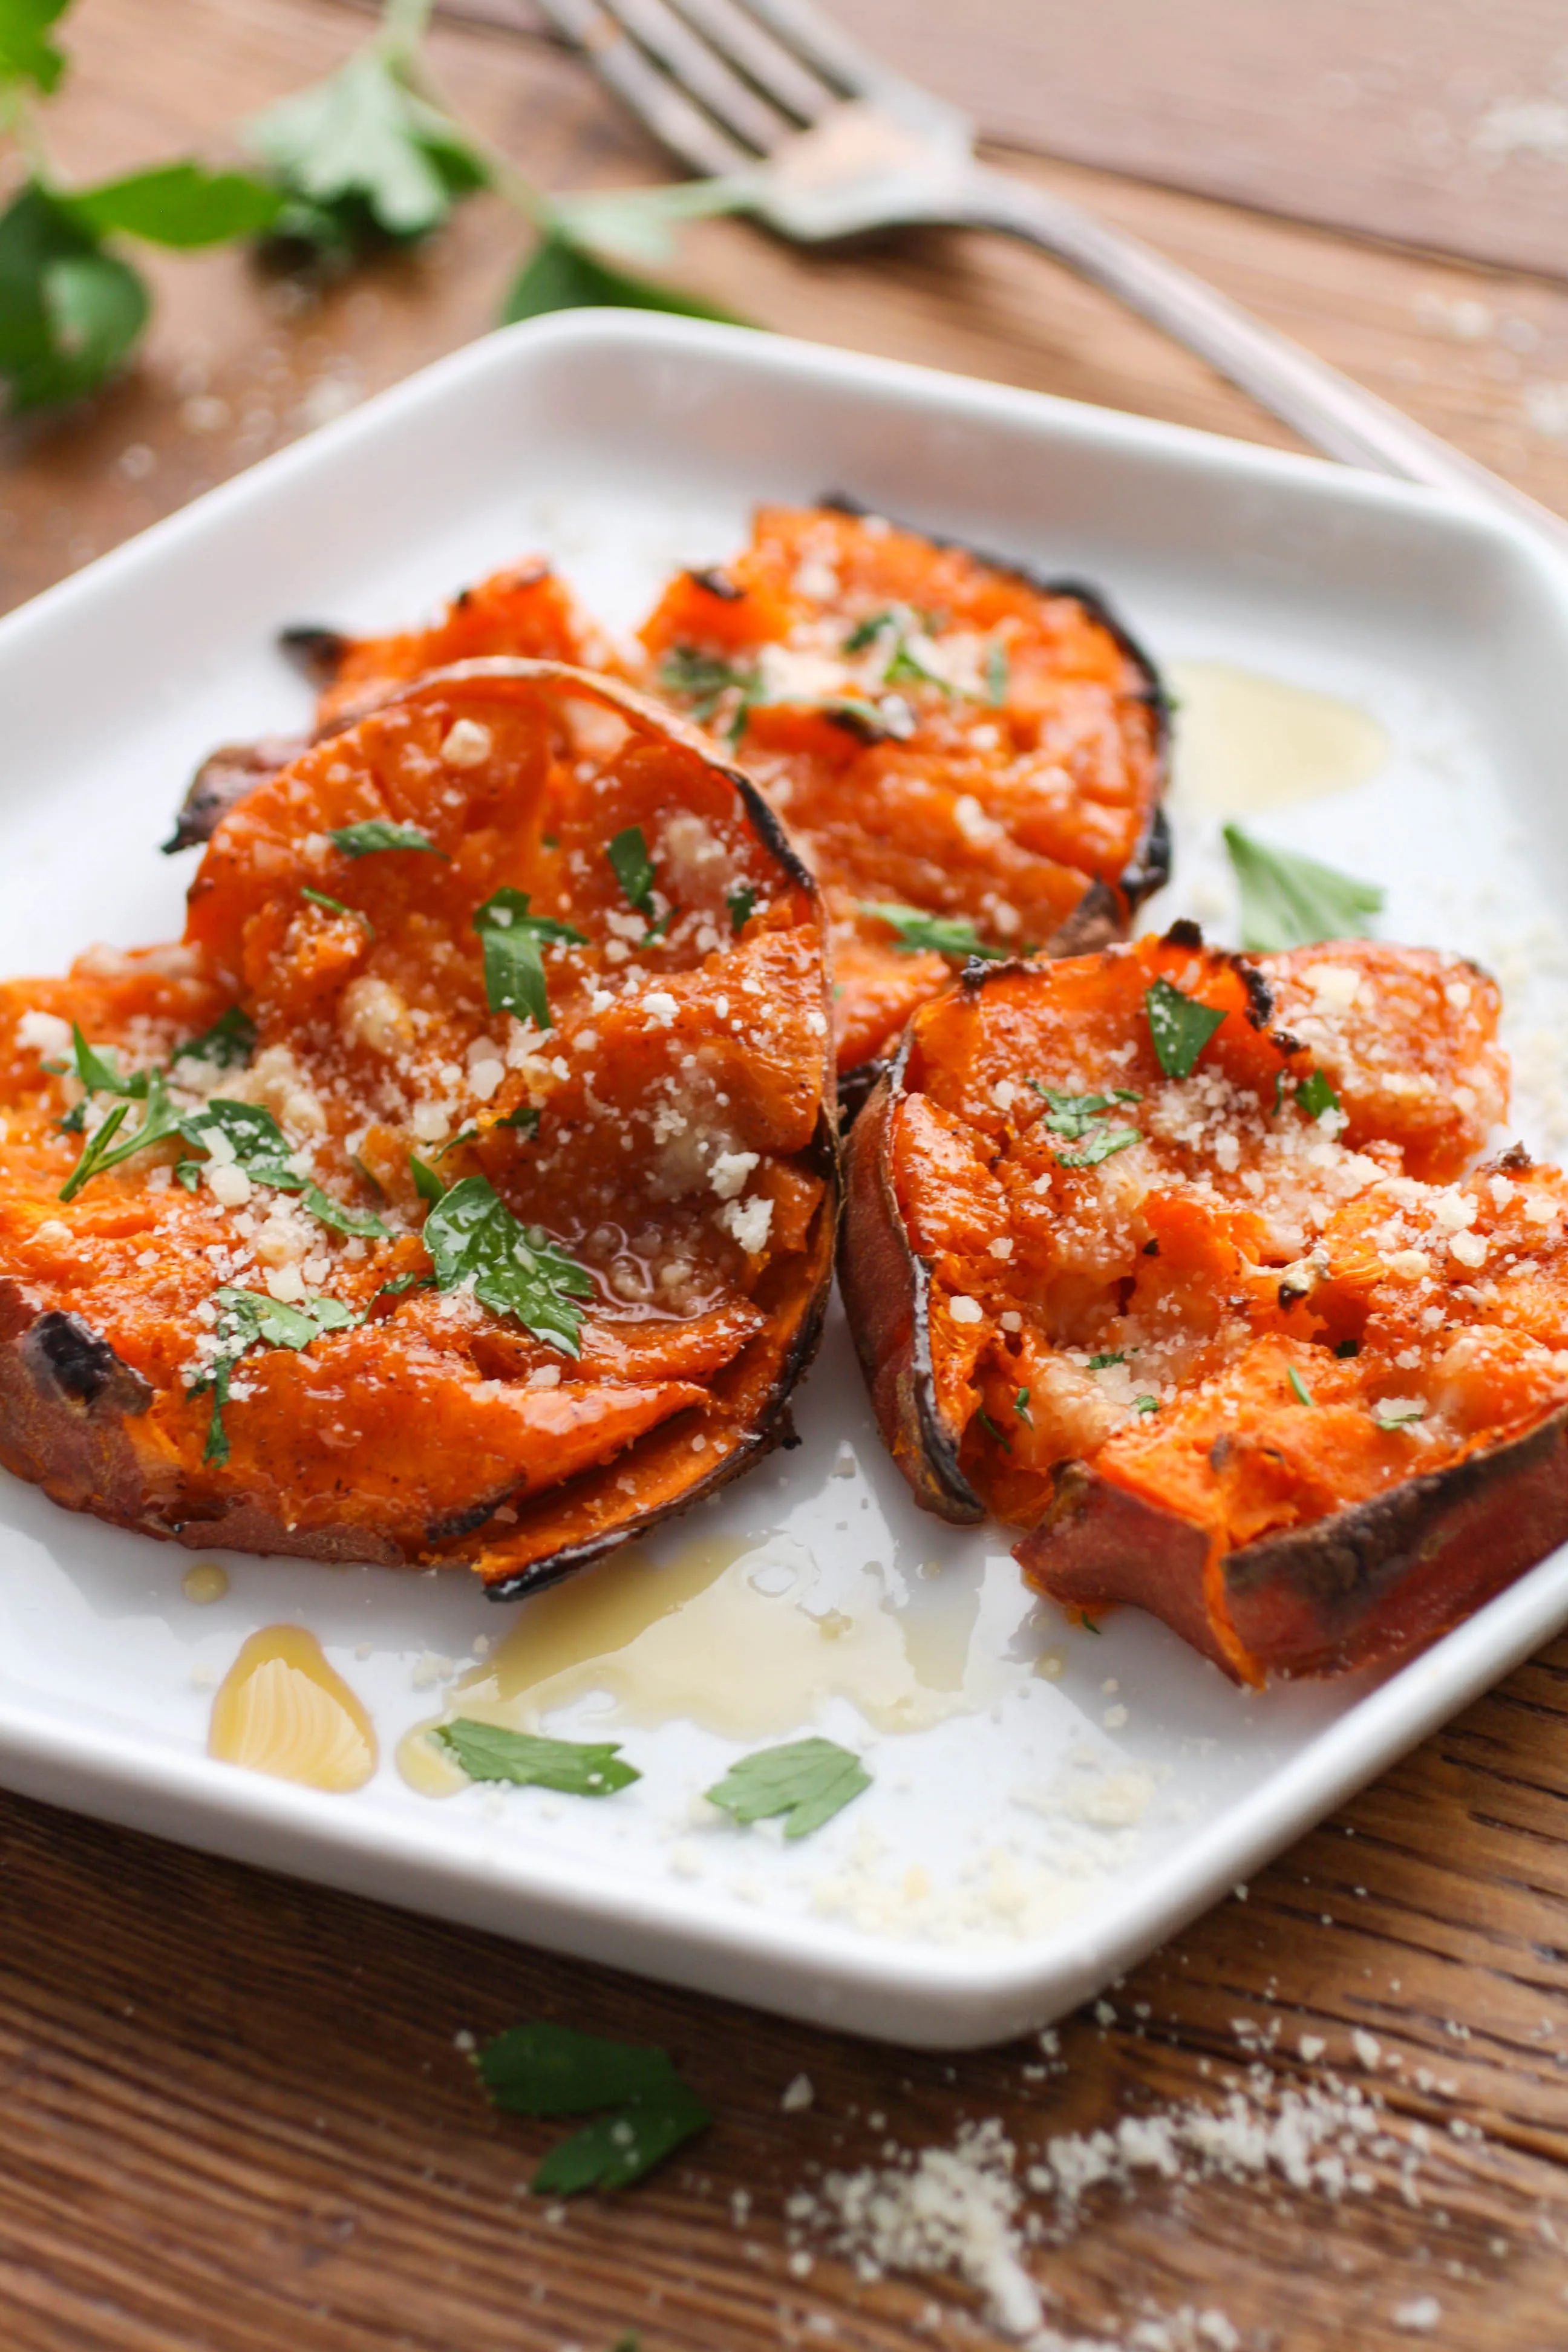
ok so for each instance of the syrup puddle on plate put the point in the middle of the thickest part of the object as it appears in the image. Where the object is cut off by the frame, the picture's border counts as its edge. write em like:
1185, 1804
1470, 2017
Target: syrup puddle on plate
740, 1636
281, 1708
1245, 743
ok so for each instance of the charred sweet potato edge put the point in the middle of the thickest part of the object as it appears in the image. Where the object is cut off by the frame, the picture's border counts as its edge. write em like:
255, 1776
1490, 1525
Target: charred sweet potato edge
66, 1396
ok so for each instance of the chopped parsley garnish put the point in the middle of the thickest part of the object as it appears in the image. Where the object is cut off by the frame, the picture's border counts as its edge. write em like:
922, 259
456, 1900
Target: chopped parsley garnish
471, 1235
634, 869
1021, 1407
1074, 1114
808, 1779
426, 1183
1315, 1095
1398, 1412
890, 717
360, 1224
989, 1427
996, 674
905, 668
867, 630
255, 1139
1146, 1404
902, 666
741, 902
525, 1119
488, 1751
544, 2068
1077, 1117
375, 832
331, 906
247, 1318
706, 679
918, 931
106, 1149
1291, 901
468, 1135
514, 967
1087, 1623
1180, 1027
229, 1044
1104, 1142
1302, 1393
1103, 1363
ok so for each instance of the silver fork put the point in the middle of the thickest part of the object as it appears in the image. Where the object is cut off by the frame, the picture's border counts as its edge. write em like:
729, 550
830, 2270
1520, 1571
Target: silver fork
825, 142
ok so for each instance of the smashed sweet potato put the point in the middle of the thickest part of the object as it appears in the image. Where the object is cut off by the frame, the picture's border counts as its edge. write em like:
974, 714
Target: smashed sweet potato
527, 611
1188, 1266
462, 1189
969, 757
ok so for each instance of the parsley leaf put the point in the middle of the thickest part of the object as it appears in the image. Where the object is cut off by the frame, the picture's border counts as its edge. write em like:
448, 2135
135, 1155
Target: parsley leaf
228, 1044
1398, 1412
488, 1751
996, 674
704, 680
361, 156
808, 1779
375, 832
1146, 1404
179, 205
107, 1148
617, 2149
634, 869
1303, 1394
471, 1233
361, 1224
1021, 1407
1075, 1115
101, 1076
741, 902
525, 1119
948, 935
336, 906
562, 275
426, 1183
544, 2068
26, 52
1103, 1143
1103, 1363
257, 1142
1291, 901
248, 1318
1180, 1027
69, 313
989, 1427
1316, 1096
514, 968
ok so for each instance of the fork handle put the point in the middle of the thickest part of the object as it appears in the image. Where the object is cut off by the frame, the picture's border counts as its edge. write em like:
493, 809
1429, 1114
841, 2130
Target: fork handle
1326, 408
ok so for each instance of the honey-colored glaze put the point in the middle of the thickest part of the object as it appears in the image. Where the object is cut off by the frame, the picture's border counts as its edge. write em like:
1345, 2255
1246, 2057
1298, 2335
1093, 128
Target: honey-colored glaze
1245, 743
732, 1633
282, 1710
204, 1583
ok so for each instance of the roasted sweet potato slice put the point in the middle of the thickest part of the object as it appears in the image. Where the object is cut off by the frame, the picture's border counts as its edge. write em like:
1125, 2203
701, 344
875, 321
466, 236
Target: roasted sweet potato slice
462, 1189
954, 739
527, 611
1187, 1266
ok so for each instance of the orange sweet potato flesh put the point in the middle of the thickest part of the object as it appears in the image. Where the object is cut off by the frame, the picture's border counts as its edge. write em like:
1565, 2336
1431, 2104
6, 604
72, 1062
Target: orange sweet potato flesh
939, 730
1289, 1370
670, 1131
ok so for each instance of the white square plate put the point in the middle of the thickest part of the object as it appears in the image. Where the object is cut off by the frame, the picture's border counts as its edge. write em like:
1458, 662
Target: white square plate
1014, 1856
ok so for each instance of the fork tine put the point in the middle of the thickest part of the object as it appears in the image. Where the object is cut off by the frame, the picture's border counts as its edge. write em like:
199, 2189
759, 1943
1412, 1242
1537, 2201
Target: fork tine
732, 27
657, 101
817, 42
701, 72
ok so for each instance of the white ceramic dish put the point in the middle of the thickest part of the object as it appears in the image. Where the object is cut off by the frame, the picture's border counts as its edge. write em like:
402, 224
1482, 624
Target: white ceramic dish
1011, 1860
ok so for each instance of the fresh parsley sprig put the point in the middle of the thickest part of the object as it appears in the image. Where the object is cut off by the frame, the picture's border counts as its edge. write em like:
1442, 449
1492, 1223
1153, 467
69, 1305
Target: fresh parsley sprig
374, 834
246, 1320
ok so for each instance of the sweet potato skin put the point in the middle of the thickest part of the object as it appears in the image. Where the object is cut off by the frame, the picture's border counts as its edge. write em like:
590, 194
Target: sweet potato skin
1360, 1589
101, 1433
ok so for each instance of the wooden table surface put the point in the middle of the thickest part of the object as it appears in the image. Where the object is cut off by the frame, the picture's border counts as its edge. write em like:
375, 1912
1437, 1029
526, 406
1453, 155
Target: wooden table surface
232, 2113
